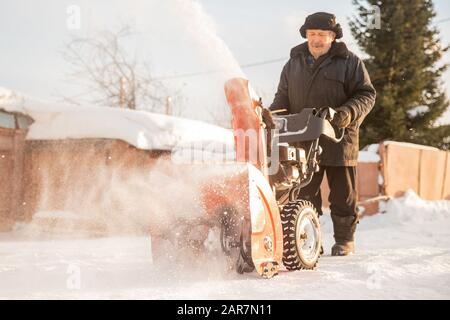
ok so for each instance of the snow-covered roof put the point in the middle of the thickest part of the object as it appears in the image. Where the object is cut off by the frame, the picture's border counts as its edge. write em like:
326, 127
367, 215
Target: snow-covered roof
142, 129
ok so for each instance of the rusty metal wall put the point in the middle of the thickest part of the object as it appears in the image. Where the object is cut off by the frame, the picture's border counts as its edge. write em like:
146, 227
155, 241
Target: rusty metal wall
53, 169
6, 179
11, 174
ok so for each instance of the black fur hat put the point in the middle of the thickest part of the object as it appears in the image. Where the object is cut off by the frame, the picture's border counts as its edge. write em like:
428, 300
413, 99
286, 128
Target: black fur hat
322, 21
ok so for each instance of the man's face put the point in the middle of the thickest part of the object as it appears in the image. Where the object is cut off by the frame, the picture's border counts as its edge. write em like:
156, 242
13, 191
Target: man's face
319, 41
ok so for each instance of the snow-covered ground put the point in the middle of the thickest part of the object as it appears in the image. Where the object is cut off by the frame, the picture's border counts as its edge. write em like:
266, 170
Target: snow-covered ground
403, 253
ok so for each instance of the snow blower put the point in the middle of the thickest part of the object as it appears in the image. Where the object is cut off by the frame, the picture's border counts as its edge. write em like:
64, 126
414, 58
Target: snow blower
263, 222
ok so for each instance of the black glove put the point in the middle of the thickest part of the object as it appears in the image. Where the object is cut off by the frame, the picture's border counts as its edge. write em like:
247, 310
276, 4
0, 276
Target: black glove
342, 118
267, 118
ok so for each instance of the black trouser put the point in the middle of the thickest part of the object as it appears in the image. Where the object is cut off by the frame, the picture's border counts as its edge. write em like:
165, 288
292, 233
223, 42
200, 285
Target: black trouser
343, 197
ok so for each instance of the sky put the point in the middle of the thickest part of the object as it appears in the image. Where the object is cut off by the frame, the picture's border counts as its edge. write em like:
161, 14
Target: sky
173, 38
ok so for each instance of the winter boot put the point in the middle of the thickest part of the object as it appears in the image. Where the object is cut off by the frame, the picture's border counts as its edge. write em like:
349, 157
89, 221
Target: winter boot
344, 232
343, 248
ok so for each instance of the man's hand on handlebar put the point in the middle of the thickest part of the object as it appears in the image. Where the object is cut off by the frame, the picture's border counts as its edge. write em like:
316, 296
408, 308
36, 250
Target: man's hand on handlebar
342, 118
268, 119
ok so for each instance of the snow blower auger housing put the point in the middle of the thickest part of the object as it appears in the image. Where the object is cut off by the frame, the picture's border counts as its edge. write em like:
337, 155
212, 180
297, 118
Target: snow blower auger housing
263, 223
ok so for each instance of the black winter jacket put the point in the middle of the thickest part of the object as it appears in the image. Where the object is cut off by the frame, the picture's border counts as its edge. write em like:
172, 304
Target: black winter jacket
337, 79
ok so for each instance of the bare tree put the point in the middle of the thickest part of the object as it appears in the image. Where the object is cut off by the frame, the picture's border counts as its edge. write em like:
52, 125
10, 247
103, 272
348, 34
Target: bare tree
112, 77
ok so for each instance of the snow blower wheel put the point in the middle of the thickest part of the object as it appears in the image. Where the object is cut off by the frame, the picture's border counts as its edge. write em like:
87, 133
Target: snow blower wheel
302, 239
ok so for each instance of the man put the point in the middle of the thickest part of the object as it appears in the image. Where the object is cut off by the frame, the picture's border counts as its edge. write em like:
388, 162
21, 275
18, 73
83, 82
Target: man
324, 73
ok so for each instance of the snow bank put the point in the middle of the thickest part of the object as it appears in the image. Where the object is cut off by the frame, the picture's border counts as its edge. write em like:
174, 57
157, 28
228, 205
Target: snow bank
408, 222
411, 209
402, 254
141, 129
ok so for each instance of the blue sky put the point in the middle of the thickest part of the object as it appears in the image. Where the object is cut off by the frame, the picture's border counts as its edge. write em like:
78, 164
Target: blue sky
33, 34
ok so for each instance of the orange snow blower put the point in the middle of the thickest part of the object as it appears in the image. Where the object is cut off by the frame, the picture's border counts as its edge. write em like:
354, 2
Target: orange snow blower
254, 202
263, 223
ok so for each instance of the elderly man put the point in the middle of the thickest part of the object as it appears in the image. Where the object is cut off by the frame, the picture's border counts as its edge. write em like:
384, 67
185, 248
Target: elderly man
324, 73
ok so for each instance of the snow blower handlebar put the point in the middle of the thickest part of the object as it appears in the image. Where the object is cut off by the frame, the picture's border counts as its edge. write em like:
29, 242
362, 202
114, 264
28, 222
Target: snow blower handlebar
308, 125
328, 114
